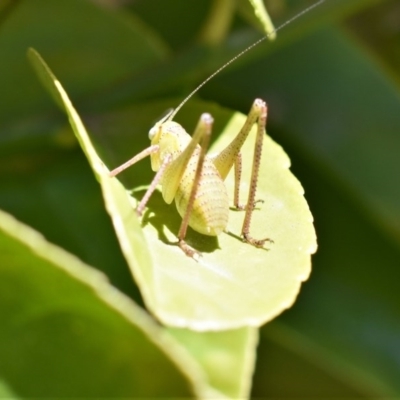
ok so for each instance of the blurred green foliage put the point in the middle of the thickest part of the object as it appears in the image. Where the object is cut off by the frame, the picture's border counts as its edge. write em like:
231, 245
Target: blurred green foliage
331, 80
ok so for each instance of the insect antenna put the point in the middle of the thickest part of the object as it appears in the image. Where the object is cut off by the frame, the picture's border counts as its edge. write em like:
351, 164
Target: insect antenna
289, 21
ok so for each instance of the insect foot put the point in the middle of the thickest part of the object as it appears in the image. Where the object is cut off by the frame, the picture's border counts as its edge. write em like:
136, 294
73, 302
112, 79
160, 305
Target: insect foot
255, 242
243, 207
189, 251
258, 114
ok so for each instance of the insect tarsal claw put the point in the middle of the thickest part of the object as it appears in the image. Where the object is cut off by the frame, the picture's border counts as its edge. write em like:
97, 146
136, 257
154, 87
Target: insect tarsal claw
256, 242
243, 207
189, 251
261, 201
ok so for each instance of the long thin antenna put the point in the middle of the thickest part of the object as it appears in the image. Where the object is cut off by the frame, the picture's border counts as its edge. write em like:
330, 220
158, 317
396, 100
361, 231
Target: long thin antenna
289, 21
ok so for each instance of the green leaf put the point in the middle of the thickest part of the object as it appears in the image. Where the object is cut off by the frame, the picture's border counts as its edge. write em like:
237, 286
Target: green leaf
347, 316
6, 392
218, 22
233, 284
242, 343
62, 320
114, 194
227, 357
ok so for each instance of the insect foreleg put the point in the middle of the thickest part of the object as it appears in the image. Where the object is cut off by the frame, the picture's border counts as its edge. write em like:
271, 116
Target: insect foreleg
135, 159
204, 130
156, 180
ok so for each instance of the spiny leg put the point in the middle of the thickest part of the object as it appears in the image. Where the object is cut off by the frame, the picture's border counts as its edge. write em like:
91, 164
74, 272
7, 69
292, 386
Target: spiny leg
144, 153
204, 129
236, 191
238, 177
231, 156
156, 180
251, 202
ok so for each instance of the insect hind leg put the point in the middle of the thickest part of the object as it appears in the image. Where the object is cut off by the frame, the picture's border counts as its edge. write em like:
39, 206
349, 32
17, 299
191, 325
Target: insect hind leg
260, 110
203, 130
231, 156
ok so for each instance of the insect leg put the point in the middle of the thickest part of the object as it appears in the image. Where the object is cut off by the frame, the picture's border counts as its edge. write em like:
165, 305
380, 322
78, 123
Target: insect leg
203, 129
227, 157
231, 156
156, 180
238, 177
135, 159
261, 123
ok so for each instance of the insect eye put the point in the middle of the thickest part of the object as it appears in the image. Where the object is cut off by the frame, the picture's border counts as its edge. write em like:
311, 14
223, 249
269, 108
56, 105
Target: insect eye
153, 132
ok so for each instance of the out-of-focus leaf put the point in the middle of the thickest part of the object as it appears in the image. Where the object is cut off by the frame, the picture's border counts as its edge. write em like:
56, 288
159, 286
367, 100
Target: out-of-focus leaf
114, 194
6, 6
378, 28
261, 13
111, 47
67, 332
6, 392
227, 357
346, 321
178, 35
217, 24
59, 197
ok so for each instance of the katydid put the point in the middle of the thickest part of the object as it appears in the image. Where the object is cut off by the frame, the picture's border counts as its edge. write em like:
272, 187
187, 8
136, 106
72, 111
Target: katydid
195, 179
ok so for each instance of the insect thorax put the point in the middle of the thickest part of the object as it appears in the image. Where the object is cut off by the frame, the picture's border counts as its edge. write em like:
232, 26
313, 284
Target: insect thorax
171, 138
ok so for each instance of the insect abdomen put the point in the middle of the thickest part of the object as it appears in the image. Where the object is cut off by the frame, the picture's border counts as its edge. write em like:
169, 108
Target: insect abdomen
211, 206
